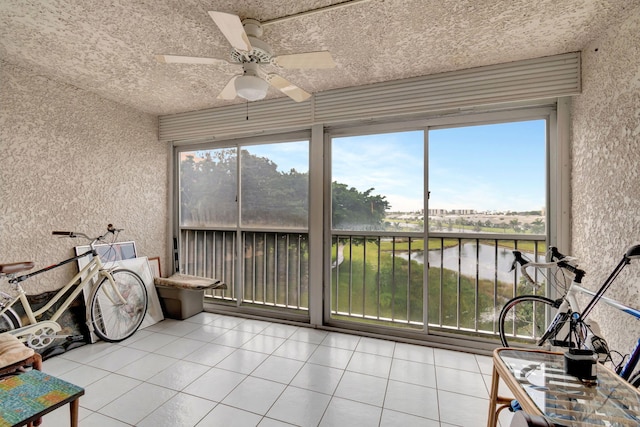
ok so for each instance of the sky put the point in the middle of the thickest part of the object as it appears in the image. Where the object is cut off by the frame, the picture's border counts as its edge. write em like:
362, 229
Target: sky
495, 167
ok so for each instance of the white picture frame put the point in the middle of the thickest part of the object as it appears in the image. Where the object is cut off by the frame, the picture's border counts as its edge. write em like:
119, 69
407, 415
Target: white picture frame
108, 252
156, 270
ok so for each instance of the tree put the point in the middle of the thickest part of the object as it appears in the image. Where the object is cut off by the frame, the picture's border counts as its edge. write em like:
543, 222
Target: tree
355, 210
272, 197
207, 188
537, 226
209, 194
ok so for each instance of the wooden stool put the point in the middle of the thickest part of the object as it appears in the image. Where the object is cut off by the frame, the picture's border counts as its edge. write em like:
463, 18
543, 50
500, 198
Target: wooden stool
34, 361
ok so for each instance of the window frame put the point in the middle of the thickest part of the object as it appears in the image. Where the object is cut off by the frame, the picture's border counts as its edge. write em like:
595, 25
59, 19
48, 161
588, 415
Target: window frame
553, 221
556, 111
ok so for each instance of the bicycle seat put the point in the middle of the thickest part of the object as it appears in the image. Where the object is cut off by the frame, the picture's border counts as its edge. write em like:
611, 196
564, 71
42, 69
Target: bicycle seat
16, 267
633, 252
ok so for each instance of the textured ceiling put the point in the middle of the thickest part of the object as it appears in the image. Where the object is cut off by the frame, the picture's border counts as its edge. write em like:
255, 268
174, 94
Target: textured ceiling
108, 46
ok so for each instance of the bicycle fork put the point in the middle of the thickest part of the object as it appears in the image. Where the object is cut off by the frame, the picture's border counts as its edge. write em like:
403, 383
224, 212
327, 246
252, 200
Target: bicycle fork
563, 330
115, 296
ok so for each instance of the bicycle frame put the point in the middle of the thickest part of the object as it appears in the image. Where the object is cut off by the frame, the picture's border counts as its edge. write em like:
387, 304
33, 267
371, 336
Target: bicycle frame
86, 275
634, 357
570, 304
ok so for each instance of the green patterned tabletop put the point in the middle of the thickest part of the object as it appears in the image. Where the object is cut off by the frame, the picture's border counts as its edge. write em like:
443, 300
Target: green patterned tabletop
28, 395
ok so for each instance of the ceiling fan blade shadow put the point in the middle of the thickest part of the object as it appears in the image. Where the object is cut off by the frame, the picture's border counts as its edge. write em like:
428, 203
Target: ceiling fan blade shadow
177, 59
231, 27
288, 88
321, 59
229, 91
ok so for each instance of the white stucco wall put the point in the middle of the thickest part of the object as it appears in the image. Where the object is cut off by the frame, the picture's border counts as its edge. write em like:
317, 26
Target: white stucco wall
74, 161
606, 170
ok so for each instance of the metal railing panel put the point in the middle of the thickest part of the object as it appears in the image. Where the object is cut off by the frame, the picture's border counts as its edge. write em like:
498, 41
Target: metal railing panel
378, 279
273, 267
374, 278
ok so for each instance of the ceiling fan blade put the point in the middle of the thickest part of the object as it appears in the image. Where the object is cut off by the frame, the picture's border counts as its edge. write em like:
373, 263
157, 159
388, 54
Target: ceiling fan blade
289, 89
320, 59
232, 29
229, 91
176, 59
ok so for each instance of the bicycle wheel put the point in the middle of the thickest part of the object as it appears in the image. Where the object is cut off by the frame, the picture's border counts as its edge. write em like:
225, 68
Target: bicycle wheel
523, 319
8, 321
113, 320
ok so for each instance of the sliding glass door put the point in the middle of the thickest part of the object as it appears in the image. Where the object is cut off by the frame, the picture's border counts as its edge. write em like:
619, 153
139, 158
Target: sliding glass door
423, 223
244, 219
377, 228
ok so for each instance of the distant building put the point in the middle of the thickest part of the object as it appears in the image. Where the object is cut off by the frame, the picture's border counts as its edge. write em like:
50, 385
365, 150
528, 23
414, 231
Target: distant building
435, 212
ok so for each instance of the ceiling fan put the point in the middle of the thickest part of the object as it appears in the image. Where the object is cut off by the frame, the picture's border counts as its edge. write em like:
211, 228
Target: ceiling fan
252, 53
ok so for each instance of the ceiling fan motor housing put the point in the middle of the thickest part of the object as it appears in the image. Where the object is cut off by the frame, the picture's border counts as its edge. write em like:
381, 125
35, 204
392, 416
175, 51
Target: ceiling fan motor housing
261, 52
252, 27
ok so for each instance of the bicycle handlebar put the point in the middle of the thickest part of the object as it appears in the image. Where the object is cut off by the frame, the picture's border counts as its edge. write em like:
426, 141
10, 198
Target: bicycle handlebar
63, 233
557, 260
72, 234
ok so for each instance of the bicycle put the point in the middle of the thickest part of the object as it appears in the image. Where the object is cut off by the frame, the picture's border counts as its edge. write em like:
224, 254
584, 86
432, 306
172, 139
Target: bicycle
116, 307
523, 319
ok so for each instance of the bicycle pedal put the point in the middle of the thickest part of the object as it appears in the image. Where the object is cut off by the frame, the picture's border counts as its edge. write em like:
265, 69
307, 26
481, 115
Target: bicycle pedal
74, 338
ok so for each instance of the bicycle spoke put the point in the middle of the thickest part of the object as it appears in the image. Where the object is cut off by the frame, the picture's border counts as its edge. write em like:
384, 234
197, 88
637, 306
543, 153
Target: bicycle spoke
113, 319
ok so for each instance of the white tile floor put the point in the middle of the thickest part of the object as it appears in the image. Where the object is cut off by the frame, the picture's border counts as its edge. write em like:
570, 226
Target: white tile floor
214, 370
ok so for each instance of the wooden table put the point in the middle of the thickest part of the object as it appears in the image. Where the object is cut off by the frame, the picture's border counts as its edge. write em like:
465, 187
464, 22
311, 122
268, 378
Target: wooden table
26, 397
538, 382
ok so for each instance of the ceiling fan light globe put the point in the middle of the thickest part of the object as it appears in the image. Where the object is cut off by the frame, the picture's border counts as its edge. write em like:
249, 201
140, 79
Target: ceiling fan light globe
251, 88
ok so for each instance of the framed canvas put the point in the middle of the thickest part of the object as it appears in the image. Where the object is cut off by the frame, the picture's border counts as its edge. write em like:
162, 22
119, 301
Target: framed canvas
154, 263
108, 253
142, 268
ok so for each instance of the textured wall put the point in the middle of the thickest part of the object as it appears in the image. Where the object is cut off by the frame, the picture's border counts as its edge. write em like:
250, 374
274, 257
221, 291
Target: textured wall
74, 161
606, 171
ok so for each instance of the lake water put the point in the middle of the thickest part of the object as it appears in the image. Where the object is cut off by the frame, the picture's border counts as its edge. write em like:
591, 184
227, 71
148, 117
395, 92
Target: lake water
485, 261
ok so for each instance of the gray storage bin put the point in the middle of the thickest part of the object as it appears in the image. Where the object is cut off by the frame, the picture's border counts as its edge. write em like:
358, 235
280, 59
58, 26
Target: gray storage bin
180, 303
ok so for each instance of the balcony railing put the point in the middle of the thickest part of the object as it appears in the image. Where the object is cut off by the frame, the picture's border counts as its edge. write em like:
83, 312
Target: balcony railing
381, 279
378, 279
274, 267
